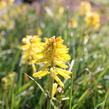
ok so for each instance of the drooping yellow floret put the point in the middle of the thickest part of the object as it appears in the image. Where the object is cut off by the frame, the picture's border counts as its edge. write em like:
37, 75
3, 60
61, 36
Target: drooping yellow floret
55, 56
57, 80
32, 46
62, 72
85, 8
55, 85
93, 20
40, 73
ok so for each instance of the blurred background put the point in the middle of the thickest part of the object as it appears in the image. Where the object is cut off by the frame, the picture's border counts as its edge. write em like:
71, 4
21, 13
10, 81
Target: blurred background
86, 35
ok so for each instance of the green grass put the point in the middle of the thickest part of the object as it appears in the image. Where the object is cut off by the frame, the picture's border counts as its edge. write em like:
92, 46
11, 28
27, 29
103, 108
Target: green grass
89, 62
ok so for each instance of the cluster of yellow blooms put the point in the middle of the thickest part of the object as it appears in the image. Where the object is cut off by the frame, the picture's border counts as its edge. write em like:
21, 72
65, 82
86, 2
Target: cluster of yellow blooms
52, 54
4, 3
92, 19
32, 46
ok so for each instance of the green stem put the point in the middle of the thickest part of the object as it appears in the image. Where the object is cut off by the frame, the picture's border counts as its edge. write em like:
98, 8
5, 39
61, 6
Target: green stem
50, 93
70, 96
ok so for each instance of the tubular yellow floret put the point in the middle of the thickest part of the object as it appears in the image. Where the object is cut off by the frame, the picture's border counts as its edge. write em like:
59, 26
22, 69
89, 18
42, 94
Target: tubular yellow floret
54, 89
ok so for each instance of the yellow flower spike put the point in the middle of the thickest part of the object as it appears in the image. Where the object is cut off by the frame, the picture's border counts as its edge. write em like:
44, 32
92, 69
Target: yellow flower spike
54, 89
51, 56
93, 20
85, 8
54, 58
55, 52
32, 46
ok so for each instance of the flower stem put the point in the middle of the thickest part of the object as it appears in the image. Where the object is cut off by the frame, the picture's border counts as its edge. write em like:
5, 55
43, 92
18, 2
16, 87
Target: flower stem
50, 93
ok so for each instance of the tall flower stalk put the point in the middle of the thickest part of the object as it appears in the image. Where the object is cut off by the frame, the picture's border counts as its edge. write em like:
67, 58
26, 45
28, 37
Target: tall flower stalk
53, 56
